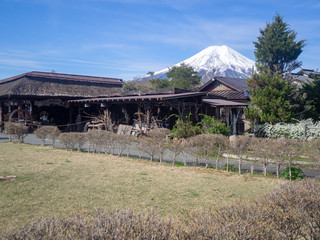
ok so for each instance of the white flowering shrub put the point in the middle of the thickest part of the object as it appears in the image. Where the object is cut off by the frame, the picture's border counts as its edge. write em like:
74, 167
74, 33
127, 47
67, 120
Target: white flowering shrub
289, 130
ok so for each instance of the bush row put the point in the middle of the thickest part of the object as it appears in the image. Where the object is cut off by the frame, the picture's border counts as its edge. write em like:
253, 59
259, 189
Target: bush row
291, 211
206, 147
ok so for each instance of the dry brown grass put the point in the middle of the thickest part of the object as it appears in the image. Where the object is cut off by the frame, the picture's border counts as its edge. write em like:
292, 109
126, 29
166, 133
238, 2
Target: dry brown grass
59, 182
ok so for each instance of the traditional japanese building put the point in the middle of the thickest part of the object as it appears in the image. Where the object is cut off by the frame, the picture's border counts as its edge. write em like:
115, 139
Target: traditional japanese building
225, 99
42, 97
76, 102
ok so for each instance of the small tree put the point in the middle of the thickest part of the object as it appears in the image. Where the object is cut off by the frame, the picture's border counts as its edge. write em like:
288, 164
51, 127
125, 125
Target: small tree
42, 133
92, 138
205, 146
190, 149
18, 130
65, 139
53, 135
149, 146
175, 146
281, 152
109, 142
80, 139
255, 148
122, 142
239, 146
266, 152
294, 148
160, 136
220, 143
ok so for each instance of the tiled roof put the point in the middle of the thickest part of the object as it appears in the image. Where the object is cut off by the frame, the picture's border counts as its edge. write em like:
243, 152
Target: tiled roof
221, 102
65, 77
238, 84
231, 95
143, 97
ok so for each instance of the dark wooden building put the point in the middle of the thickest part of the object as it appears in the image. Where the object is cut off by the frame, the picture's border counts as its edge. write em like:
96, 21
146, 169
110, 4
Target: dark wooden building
226, 98
75, 102
42, 97
144, 109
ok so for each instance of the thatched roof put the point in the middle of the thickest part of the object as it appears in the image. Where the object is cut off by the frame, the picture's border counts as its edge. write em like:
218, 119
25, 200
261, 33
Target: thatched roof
44, 84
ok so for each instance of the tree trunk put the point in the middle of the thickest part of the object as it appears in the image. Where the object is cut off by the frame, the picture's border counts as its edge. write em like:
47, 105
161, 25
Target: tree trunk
278, 171
174, 160
228, 163
128, 152
290, 172
264, 165
217, 159
252, 168
240, 164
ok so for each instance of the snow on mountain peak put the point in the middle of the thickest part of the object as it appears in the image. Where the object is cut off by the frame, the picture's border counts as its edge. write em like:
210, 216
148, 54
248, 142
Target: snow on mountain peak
217, 61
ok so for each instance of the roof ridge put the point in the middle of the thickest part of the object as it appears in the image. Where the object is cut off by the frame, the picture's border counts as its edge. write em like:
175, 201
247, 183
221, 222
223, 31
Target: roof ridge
65, 76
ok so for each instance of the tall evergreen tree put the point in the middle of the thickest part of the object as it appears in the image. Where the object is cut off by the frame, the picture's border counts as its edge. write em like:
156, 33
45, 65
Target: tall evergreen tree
272, 97
276, 49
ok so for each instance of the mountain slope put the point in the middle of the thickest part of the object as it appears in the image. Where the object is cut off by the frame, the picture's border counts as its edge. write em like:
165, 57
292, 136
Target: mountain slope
216, 61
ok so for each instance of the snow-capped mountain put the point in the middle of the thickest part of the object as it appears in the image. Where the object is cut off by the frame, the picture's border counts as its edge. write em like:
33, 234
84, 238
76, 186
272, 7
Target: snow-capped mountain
216, 61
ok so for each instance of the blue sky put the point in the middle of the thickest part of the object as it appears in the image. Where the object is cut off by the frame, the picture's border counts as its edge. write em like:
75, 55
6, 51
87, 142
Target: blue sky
128, 38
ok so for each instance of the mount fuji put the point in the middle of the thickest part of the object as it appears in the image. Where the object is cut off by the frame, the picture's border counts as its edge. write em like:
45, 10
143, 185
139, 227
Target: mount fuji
216, 61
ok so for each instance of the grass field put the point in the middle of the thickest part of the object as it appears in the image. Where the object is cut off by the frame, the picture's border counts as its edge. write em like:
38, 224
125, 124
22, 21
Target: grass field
59, 182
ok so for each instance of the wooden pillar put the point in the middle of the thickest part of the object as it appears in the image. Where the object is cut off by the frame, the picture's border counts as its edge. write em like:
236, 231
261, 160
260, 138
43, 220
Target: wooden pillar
148, 118
70, 119
107, 119
139, 117
217, 113
1, 115
234, 123
126, 115
228, 115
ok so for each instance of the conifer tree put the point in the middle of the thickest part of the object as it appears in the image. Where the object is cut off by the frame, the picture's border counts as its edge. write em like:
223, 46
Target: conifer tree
272, 96
184, 77
276, 49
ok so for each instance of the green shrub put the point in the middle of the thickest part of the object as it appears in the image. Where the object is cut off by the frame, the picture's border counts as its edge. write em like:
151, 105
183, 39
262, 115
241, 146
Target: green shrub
184, 128
231, 168
296, 173
210, 125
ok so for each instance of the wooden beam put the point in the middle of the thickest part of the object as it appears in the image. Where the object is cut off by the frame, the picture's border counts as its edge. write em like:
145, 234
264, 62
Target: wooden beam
1, 114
